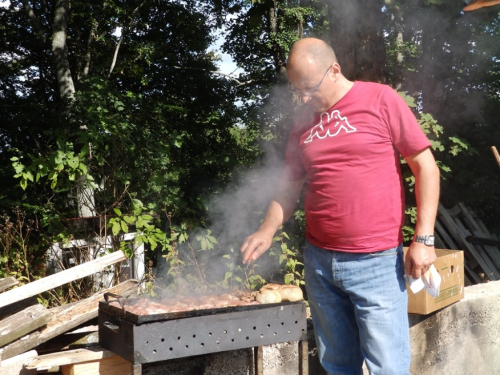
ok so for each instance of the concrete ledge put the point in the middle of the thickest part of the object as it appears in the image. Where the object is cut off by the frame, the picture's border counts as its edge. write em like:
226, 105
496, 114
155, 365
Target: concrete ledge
463, 338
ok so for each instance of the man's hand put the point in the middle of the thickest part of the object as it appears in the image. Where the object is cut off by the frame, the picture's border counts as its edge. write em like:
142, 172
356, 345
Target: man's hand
419, 258
280, 209
255, 245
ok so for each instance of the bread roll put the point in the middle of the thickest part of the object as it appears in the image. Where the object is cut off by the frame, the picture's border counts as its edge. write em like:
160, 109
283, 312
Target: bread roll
287, 292
268, 296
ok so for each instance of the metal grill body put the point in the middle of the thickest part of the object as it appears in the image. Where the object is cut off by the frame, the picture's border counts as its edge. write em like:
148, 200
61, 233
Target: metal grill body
168, 339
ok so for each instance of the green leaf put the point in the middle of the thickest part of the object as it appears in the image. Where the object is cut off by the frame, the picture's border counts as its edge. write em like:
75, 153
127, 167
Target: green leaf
73, 162
58, 157
152, 243
24, 183
28, 175
117, 211
129, 219
124, 227
116, 229
83, 168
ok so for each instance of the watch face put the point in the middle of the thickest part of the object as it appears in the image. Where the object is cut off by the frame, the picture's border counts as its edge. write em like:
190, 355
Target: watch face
426, 240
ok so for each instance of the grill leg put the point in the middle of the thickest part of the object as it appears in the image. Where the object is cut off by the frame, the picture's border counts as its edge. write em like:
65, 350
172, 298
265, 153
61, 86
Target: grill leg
258, 352
303, 358
136, 369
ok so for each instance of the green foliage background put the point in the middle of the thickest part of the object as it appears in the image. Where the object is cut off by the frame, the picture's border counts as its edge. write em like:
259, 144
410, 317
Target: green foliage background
160, 134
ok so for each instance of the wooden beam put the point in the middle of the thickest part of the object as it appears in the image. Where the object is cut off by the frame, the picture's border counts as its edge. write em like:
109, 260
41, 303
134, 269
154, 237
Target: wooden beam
475, 277
457, 233
469, 220
16, 364
7, 283
303, 358
16, 307
483, 241
60, 278
491, 269
22, 323
69, 357
495, 154
114, 365
259, 360
450, 242
66, 318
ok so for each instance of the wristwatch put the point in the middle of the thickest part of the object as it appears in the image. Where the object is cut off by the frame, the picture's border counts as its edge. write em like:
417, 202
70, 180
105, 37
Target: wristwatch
427, 240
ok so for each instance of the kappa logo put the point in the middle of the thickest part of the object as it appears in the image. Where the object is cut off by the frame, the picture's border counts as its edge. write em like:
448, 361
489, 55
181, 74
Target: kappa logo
330, 125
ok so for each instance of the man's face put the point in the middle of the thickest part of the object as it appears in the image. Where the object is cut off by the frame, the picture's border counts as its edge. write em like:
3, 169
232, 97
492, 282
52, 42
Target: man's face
312, 85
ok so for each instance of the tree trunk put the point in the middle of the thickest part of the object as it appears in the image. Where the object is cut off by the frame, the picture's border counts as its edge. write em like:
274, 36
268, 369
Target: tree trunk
60, 51
356, 28
277, 52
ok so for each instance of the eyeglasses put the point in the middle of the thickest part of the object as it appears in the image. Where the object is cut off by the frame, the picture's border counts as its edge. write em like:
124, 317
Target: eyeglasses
314, 89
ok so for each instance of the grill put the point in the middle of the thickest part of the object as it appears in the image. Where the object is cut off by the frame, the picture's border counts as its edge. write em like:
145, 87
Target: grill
143, 339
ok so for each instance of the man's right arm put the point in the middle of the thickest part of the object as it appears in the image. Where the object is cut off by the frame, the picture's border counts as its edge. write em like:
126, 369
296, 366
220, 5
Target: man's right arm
280, 209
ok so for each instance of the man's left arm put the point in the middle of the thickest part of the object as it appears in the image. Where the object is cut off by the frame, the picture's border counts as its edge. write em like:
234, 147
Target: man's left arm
421, 256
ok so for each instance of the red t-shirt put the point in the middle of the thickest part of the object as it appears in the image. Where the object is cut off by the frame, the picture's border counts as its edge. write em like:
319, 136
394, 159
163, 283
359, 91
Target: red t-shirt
349, 156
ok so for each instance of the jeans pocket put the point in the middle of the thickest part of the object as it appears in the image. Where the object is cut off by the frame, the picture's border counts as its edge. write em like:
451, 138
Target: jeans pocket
387, 253
383, 254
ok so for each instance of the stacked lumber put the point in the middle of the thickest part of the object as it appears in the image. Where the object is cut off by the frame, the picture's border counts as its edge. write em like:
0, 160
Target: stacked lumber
25, 324
460, 228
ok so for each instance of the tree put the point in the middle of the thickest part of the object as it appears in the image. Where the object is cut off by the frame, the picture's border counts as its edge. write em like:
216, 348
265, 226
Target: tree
123, 99
357, 36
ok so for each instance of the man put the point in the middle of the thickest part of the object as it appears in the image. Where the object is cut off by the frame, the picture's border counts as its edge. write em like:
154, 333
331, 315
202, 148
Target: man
345, 146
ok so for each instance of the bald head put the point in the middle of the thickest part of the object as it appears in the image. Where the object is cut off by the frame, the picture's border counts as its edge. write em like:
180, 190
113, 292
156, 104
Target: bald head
313, 52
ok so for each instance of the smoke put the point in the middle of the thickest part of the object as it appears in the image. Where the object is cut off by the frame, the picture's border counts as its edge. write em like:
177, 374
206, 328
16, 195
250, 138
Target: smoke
236, 213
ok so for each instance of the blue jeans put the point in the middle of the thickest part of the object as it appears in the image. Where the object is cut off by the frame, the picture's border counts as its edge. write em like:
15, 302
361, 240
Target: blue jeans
359, 308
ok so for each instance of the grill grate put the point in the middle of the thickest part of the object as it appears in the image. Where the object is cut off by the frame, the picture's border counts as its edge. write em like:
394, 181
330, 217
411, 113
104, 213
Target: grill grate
169, 339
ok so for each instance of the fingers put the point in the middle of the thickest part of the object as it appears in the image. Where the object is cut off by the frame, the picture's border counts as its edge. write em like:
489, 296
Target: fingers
253, 248
408, 266
419, 258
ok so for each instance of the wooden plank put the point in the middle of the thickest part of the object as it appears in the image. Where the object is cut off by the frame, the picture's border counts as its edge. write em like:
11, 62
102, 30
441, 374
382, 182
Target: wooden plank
495, 154
445, 236
303, 358
483, 227
66, 318
16, 307
475, 277
70, 340
491, 270
136, 369
7, 283
492, 252
61, 278
482, 241
69, 357
16, 364
259, 360
457, 233
478, 233
23, 322
469, 220
439, 243
115, 365
486, 254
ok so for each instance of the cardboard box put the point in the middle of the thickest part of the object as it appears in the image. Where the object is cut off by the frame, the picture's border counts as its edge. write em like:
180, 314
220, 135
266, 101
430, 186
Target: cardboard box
450, 265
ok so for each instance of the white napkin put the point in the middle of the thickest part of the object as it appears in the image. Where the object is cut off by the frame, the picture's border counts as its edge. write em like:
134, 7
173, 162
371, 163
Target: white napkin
431, 281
